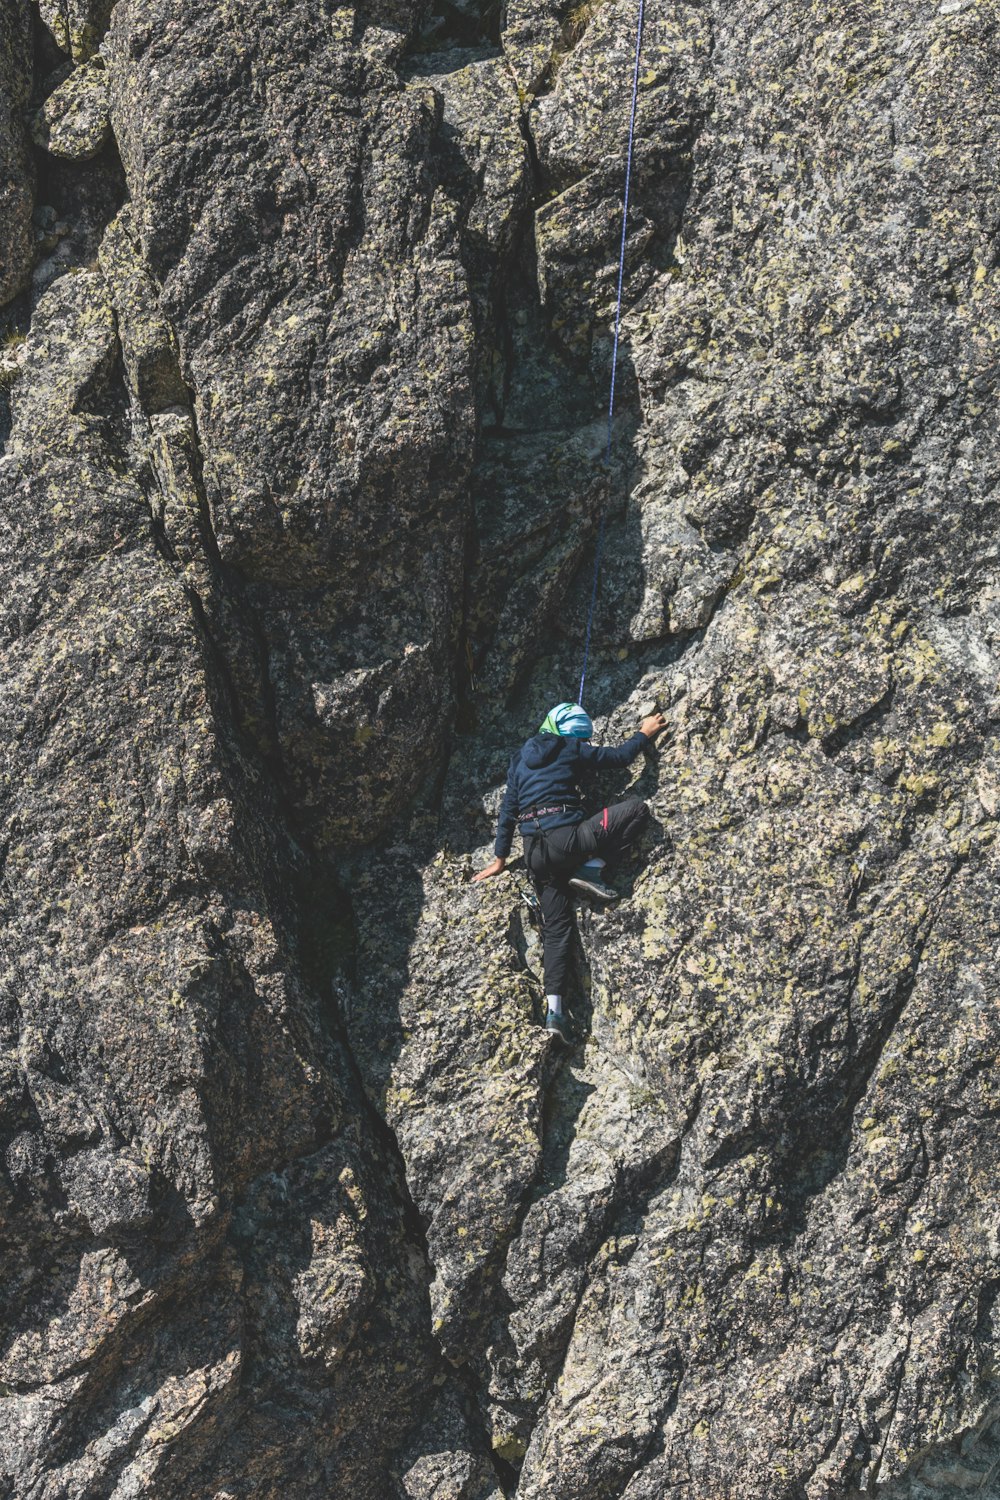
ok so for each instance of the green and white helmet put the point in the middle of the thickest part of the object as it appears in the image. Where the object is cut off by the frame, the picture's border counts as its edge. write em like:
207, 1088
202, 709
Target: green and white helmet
568, 719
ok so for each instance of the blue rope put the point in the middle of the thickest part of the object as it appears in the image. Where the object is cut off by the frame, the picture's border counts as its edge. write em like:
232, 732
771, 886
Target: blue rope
618, 325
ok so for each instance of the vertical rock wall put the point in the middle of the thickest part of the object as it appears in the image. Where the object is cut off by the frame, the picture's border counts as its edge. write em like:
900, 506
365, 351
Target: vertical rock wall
15, 163
297, 502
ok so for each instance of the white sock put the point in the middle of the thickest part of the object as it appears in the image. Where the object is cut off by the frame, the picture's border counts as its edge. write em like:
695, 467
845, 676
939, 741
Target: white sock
554, 1003
593, 863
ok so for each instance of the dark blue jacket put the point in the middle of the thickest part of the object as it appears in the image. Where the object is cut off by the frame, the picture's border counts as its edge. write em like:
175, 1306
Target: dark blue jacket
544, 773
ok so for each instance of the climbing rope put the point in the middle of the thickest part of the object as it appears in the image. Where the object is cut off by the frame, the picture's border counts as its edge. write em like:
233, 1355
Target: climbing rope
618, 324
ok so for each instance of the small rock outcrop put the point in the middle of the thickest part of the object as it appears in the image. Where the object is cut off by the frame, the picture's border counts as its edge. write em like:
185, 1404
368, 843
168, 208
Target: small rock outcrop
73, 122
299, 490
76, 26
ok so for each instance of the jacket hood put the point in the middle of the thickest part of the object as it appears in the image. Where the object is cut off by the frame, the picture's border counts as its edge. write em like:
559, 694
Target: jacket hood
542, 750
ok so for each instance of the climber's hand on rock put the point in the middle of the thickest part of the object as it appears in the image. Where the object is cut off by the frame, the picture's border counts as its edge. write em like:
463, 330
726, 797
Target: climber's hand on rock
653, 726
491, 869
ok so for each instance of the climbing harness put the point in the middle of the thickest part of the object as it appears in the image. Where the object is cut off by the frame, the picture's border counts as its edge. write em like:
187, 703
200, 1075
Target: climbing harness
618, 324
545, 812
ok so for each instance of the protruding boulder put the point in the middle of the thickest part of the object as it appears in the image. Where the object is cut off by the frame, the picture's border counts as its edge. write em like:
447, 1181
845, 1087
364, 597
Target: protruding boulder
73, 123
149, 345
68, 358
77, 26
110, 1189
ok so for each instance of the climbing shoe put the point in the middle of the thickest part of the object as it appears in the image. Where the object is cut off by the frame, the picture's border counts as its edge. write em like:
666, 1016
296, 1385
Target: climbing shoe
558, 1026
589, 884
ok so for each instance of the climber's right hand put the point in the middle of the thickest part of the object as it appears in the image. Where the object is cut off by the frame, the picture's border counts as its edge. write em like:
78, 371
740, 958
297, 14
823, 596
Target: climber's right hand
653, 726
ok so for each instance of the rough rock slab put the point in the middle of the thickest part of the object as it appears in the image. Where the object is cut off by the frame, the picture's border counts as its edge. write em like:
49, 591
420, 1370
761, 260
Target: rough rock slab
73, 122
310, 266
205, 1243
76, 26
296, 524
16, 175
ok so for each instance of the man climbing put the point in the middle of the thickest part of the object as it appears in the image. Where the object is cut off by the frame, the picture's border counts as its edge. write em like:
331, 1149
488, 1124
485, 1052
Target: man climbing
565, 850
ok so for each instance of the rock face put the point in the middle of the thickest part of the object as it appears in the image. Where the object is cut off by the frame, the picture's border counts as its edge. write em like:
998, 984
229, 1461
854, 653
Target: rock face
297, 511
73, 122
76, 26
311, 269
15, 162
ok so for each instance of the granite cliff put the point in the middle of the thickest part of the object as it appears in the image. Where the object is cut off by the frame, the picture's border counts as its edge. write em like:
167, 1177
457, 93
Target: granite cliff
306, 316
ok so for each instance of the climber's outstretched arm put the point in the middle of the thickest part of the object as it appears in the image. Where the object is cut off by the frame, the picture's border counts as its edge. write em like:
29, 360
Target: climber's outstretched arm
624, 755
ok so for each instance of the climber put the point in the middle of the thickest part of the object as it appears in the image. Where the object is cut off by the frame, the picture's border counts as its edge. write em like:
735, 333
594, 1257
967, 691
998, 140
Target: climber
542, 796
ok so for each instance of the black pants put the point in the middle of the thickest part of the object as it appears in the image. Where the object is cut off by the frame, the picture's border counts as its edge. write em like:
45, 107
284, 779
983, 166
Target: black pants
554, 856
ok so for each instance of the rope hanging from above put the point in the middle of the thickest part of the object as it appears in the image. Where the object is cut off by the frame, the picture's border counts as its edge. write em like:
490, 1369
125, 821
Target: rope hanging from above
618, 323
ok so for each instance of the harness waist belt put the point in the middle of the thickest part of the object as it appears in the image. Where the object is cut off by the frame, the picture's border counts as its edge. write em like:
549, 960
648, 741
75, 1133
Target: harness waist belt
544, 812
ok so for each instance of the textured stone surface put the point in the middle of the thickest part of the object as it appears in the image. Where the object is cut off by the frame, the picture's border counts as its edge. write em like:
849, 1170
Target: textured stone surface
15, 162
73, 122
207, 1242
731, 1272
296, 526
310, 266
76, 26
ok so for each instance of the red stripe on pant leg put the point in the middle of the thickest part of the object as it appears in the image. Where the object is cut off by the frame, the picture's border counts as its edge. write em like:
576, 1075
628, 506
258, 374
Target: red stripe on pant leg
605, 822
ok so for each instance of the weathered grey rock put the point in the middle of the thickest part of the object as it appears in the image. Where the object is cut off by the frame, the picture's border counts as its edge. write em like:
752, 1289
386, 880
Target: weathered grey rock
76, 26
11, 358
110, 1190
73, 122
579, 124
149, 345
728, 1274
482, 130
16, 176
331, 369
297, 516
533, 37
201, 1233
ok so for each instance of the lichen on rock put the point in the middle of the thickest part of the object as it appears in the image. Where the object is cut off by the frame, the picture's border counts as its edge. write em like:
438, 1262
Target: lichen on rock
76, 26
16, 174
297, 517
73, 122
